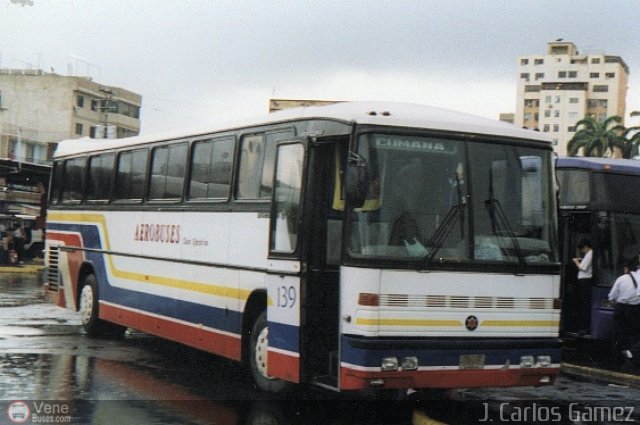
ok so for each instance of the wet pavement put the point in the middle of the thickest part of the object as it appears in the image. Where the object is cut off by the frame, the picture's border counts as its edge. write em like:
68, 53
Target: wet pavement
51, 371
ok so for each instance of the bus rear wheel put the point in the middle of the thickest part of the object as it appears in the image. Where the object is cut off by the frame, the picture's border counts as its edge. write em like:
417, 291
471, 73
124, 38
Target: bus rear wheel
259, 345
89, 309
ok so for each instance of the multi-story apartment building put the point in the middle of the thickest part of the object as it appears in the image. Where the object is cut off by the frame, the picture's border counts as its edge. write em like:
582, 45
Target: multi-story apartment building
558, 89
39, 109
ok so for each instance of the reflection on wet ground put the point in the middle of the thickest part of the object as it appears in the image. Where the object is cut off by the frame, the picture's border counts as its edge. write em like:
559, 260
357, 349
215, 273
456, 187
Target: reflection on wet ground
20, 289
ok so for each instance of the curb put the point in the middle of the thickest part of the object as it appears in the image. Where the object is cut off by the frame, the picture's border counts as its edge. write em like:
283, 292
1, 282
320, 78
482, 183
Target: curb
610, 375
28, 268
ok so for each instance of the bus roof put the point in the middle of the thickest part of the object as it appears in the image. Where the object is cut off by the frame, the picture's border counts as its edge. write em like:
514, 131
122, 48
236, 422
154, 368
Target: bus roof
612, 165
374, 113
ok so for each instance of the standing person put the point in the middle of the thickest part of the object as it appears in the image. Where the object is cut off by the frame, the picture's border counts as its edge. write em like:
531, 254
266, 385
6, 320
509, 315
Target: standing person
18, 242
626, 324
583, 287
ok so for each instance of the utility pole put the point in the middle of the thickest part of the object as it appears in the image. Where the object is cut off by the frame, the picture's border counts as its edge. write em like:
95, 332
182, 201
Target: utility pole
107, 103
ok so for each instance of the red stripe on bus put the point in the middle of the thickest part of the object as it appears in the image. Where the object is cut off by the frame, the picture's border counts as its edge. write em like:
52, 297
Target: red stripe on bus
201, 338
351, 379
283, 366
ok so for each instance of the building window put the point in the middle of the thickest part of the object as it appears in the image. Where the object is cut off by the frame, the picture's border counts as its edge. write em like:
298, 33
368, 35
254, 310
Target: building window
531, 88
546, 128
556, 113
562, 74
595, 60
597, 103
539, 75
573, 74
571, 129
600, 89
547, 113
538, 61
610, 75
524, 61
557, 99
524, 76
79, 128
527, 116
80, 101
594, 75
573, 100
556, 128
547, 99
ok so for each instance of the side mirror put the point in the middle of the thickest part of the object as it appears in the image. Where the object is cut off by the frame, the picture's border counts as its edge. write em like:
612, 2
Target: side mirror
357, 181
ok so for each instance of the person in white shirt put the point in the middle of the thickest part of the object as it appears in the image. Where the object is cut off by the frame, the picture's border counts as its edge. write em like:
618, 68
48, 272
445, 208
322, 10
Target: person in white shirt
625, 294
582, 293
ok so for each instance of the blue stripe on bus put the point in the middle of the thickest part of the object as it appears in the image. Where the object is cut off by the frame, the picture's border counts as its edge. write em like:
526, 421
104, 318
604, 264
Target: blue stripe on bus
441, 357
284, 337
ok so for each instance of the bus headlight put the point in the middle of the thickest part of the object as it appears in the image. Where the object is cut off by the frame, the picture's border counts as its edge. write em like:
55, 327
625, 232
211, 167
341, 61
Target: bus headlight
389, 364
543, 361
409, 363
527, 361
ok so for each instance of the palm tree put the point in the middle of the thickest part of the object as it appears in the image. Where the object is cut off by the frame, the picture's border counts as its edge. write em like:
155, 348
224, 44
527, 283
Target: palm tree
596, 138
631, 142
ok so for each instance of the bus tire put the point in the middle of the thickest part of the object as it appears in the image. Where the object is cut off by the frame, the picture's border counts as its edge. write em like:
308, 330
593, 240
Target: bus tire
258, 358
89, 311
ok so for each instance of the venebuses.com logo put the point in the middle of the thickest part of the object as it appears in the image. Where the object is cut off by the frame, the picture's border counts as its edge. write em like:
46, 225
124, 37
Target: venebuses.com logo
18, 412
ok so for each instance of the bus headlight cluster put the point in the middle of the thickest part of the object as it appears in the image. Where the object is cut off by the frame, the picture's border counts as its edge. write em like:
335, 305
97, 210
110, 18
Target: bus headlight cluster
390, 364
543, 361
539, 361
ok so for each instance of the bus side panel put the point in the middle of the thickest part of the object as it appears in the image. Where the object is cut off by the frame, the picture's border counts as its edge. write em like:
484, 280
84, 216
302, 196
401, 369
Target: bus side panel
283, 319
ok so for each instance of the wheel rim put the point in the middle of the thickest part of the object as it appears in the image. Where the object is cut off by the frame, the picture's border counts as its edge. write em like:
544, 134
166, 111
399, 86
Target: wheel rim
86, 304
262, 346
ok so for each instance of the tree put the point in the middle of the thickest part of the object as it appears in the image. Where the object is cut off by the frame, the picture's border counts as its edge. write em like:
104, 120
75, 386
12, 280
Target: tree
631, 142
596, 138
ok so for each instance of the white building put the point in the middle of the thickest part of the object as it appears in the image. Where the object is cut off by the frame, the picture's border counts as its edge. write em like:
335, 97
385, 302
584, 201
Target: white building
40, 109
560, 88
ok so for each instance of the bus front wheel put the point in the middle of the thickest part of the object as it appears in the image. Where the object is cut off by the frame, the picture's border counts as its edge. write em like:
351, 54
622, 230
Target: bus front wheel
89, 308
259, 344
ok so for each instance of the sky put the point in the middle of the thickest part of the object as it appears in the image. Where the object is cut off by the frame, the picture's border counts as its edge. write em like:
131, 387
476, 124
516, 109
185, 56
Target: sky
199, 63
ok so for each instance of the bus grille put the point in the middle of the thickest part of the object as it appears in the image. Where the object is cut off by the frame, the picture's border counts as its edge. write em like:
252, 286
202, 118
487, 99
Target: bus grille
461, 301
53, 274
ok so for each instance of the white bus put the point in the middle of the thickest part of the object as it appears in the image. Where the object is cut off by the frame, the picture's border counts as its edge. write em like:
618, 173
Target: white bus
352, 246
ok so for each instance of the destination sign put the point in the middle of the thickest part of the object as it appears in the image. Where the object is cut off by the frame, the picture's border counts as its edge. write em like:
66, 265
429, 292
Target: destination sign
414, 144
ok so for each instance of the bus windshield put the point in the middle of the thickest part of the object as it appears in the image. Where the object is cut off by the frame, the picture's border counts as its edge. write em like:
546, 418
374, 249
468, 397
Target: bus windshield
435, 200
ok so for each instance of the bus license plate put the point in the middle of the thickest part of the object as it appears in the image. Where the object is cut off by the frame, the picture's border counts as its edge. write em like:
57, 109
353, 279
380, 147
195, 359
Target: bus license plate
471, 361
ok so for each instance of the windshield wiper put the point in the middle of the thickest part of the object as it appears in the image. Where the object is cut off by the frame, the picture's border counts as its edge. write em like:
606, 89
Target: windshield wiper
495, 211
444, 229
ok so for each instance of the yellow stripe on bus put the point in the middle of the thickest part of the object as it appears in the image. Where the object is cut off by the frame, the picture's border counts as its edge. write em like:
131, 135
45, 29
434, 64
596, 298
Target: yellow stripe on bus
520, 323
406, 322
439, 323
221, 291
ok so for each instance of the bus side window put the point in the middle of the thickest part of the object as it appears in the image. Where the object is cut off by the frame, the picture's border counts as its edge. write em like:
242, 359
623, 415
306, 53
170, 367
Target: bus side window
73, 180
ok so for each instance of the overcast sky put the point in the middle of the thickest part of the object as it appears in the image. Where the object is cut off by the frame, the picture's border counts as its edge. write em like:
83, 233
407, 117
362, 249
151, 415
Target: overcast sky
201, 62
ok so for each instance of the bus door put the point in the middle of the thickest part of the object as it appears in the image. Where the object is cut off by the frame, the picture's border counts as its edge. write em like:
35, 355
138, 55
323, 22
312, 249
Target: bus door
320, 336
284, 274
